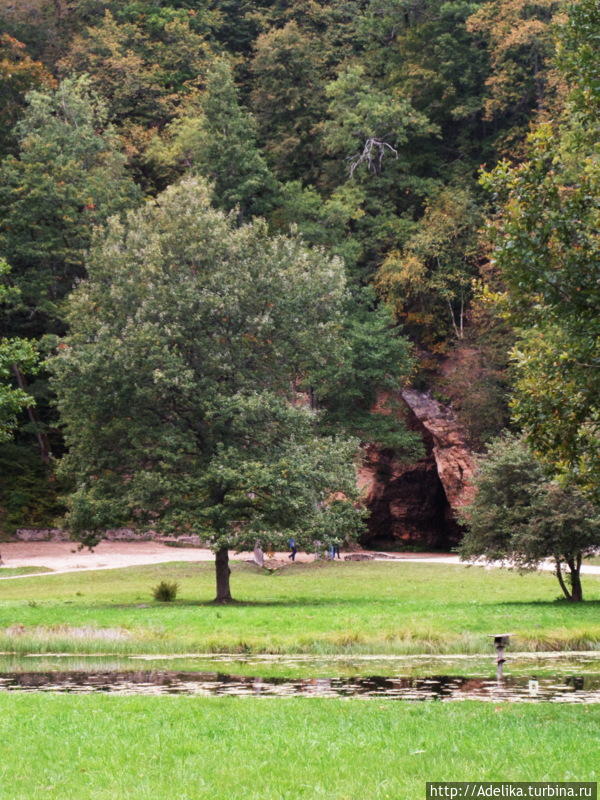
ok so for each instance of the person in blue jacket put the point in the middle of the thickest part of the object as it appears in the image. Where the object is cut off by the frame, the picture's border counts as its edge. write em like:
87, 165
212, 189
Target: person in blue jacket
292, 544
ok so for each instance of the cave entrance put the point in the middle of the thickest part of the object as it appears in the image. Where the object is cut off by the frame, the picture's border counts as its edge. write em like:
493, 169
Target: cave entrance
408, 506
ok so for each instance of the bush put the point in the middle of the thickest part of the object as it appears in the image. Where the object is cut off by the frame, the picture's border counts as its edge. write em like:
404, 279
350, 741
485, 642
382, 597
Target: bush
519, 514
165, 592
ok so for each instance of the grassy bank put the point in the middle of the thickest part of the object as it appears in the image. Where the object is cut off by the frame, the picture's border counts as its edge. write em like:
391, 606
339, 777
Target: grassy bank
6, 572
323, 608
556, 665
117, 748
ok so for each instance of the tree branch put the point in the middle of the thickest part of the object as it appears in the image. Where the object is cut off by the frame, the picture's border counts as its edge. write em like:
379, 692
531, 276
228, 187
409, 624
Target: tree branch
372, 155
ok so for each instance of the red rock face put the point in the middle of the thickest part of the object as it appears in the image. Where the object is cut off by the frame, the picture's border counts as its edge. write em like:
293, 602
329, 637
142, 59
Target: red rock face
406, 501
453, 458
415, 503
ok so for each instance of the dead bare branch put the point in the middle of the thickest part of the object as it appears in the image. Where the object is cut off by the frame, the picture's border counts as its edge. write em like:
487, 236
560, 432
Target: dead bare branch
372, 155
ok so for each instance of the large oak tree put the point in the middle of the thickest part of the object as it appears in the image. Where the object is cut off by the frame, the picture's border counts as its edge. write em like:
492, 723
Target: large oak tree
178, 383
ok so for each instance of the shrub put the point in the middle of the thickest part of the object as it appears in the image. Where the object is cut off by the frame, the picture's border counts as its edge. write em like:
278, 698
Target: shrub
165, 592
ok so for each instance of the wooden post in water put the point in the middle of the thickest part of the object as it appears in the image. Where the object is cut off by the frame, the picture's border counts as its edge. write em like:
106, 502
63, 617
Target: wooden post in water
501, 641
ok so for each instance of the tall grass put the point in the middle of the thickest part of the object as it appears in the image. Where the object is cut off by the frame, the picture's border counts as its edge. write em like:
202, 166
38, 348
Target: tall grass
137, 748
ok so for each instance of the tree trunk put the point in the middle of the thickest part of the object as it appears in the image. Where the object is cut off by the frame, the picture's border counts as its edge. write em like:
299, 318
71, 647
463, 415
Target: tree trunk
561, 579
222, 573
575, 579
41, 437
576, 587
453, 318
575, 595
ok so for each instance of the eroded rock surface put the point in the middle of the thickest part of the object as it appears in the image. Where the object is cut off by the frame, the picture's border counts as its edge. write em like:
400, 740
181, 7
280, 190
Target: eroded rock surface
453, 458
407, 502
416, 503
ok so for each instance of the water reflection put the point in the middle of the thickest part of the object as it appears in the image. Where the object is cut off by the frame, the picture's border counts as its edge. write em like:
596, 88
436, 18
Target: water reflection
558, 689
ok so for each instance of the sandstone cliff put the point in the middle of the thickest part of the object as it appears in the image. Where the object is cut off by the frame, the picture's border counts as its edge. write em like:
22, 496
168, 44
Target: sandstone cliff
454, 460
415, 503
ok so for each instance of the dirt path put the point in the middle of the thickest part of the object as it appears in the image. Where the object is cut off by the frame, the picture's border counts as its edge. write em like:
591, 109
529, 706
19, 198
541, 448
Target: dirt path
64, 557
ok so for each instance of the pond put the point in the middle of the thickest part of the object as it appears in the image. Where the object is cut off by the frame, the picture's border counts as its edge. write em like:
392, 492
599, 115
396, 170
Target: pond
574, 688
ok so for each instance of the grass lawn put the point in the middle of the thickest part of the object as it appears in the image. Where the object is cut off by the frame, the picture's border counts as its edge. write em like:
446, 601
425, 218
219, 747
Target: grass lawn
177, 748
7, 571
322, 608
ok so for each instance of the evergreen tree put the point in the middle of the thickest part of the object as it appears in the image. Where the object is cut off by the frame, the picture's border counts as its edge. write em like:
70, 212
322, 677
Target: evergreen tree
426, 48
67, 177
372, 134
359, 392
220, 144
288, 99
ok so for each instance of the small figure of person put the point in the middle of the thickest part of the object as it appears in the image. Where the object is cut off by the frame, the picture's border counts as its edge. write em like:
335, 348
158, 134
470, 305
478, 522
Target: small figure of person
259, 556
292, 544
332, 551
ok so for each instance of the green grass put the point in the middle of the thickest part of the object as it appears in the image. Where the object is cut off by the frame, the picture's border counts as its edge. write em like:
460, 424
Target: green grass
322, 608
181, 748
543, 665
8, 571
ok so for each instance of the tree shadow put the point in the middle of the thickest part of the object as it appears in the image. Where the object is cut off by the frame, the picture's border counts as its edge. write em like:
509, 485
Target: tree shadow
284, 603
558, 602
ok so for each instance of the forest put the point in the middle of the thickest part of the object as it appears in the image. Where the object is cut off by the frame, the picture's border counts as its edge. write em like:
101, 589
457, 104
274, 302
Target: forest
207, 208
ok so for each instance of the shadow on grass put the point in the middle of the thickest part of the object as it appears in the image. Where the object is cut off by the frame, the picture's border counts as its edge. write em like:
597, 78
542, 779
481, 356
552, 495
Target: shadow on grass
312, 603
334, 601
558, 602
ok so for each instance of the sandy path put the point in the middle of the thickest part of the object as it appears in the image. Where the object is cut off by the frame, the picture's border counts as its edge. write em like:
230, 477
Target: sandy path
64, 556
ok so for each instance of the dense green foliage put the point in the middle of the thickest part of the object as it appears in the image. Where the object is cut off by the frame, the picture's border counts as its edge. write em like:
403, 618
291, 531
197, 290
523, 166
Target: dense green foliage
197, 332
15, 354
362, 125
67, 177
219, 142
520, 516
547, 248
19, 73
